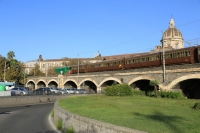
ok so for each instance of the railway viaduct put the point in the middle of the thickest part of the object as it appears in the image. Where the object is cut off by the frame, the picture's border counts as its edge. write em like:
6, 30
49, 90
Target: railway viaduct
185, 78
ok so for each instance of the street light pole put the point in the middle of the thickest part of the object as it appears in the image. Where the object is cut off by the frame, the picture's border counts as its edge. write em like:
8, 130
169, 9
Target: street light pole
24, 78
4, 79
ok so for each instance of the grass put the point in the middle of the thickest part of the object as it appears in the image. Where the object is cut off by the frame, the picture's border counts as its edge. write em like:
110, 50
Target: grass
59, 124
52, 113
154, 115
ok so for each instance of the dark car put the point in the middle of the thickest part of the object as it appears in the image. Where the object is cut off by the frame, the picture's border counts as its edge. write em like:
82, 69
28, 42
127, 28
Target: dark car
42, 91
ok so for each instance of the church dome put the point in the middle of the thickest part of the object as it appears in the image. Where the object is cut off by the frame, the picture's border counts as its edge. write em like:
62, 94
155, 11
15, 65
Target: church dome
172, 31
172, 37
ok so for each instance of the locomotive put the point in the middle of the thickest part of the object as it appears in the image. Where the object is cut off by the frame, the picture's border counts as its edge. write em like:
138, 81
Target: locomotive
187, 55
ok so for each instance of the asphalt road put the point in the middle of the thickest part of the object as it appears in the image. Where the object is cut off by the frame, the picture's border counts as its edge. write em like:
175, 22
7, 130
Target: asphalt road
26, 119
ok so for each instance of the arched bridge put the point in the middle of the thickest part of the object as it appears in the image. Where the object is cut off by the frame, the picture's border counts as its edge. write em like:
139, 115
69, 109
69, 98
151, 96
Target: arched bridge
185, 78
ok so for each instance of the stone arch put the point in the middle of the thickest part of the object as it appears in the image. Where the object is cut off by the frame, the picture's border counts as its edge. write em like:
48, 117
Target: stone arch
140, 78
110, 78
29, 81
70, 80
41, 80
145, 78
185, 77
51, 81
89, 79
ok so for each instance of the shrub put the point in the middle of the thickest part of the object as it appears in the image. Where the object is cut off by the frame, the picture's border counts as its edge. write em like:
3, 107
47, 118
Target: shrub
150, 93
196, 106
69, 130
52, 113
118, 90
174, 95
59, 124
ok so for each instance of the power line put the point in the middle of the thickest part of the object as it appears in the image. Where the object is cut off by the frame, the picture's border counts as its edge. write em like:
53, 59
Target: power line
138, 38
188, 23
122, 43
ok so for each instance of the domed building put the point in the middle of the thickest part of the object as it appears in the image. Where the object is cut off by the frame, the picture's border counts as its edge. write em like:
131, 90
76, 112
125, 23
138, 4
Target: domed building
172, 37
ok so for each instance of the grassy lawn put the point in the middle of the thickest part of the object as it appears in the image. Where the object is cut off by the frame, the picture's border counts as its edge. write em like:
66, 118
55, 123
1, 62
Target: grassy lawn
154, 115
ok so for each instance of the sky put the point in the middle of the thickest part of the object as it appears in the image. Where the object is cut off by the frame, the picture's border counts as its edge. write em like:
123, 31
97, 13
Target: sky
81, 28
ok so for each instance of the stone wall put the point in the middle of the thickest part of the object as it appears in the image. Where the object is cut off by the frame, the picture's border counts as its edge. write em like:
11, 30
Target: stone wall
82, 124
26, 100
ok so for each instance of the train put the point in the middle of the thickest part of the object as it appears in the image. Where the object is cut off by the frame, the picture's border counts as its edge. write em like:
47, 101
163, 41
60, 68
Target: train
189, 55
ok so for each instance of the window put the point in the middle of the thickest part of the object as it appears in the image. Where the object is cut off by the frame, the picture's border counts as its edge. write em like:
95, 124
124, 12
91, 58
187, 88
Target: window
176, 46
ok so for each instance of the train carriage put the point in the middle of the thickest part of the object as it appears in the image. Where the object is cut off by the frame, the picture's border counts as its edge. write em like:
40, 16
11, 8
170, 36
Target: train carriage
180, 56
143, 61
198, 54
75, 68
106, 65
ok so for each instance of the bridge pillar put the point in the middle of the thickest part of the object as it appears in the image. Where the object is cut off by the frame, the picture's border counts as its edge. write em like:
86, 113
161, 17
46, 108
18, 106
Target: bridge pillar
98, 90
60, 81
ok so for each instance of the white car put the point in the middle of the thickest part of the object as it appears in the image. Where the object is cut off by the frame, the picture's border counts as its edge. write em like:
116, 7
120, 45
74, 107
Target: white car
71, 91
55, 91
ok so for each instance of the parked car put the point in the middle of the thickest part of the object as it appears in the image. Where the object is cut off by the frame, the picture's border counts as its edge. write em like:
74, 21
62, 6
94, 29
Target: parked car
62, 91
42, 91
71, 91
83, 91
55, 91
77, 91
19, 91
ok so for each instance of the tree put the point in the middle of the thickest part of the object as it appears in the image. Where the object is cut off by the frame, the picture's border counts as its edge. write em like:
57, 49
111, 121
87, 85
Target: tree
10, 55
74, 62
51, 71
155, 84
36, 71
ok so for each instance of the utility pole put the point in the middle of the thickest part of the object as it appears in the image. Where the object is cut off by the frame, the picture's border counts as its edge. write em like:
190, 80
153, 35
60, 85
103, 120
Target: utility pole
78, 70
163, 56
46, 66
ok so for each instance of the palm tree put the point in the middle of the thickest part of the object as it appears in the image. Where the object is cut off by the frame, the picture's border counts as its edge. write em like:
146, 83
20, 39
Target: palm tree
10, 55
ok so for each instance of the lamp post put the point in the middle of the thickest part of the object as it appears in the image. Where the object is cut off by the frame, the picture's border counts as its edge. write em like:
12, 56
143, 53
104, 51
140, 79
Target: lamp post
4, 79
24, 78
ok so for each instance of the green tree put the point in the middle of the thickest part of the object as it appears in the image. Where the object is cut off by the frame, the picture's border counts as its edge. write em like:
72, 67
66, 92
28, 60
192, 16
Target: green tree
36, 71
155, 84
10, 55
51, 71
74, 62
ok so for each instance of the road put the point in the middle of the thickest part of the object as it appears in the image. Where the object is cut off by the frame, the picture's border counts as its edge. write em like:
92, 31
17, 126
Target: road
26, 119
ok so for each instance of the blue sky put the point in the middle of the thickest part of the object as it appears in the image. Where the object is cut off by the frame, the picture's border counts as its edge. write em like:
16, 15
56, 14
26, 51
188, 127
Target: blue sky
68, 28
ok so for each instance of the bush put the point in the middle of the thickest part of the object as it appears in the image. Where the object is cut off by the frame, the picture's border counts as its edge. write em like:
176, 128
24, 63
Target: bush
52, 113
150, 93
59, 124
174, 95
137, 92
118, 90
69, 130
196, 106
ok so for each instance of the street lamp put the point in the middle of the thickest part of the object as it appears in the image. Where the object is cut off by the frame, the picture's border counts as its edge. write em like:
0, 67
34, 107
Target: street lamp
4, 79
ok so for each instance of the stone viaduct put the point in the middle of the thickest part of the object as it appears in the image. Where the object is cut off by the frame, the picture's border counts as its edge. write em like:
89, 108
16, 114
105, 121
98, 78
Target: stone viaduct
185, 77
